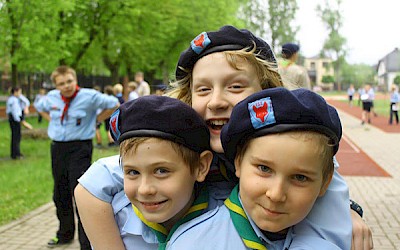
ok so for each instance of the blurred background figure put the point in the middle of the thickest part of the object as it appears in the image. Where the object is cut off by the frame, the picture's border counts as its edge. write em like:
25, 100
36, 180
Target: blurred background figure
14, 112
143, 87
40, 95
367, 96
25, 103
132, 86
293, 75
109, 90
99, 139
160, 89
394, 104
118, 92
350, 94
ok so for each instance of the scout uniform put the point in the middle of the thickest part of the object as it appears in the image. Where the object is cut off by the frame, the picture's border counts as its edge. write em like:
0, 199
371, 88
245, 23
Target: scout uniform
231, 227
71, 129
14, 112
150, 116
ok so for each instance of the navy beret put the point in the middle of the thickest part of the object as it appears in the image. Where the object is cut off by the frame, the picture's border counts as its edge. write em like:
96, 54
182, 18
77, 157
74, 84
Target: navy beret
278, 110
226, 38
288, 49
163, 117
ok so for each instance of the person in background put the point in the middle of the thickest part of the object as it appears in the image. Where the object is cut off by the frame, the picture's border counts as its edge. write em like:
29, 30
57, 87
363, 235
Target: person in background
25, 103
394, 104
293, 75
160, 89
118, 92
371, 93
72, 115
109, 90
40, 95
99, 139
367, 97
360, 92
143, 87
14, 112
132, 91
350, 94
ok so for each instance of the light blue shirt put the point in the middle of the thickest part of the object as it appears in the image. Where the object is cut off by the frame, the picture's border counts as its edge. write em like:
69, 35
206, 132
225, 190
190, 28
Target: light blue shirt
14, 108
215, 230
134, 233
24, 102
328, 221
394, 97
81, 121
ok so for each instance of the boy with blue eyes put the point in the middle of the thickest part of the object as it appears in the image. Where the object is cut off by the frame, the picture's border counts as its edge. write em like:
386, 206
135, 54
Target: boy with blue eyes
282, 143
164, 154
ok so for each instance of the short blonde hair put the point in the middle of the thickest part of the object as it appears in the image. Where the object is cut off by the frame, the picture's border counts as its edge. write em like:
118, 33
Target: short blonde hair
118, 88
266, 71
132, 85
62, 70
190, 157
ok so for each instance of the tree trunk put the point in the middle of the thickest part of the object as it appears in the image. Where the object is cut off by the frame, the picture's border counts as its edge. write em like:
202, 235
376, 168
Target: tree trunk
14, 74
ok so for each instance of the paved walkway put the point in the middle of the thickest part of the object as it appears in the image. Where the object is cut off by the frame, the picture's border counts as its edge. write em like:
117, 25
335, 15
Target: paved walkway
379, 196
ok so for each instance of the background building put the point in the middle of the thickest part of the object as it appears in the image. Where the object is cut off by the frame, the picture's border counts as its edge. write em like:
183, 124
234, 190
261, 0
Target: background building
317, 68
388, 68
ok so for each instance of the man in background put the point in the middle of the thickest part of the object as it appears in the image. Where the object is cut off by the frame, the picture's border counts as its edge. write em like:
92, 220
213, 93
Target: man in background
293, 75
71, 112
143, 87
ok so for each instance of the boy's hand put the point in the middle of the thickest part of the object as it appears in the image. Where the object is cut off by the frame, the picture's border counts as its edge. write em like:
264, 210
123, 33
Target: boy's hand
362, 235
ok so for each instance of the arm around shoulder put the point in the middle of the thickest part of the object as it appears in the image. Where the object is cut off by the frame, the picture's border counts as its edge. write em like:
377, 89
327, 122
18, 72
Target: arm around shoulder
98, 220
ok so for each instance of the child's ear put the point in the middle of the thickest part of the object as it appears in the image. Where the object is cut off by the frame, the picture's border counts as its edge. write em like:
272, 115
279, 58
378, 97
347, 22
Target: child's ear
238, 160
326, 184
204, 166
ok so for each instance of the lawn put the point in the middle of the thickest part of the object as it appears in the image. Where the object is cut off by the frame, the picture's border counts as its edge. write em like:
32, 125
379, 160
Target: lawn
381, 103
27, 184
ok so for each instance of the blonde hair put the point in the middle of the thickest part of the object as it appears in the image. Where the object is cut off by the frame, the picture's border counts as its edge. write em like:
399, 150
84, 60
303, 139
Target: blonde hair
190, 158
323, 147
266, 71
118, 88
62, 70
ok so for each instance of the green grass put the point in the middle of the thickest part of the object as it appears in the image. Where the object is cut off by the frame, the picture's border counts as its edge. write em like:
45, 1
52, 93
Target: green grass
381, 106
27, 184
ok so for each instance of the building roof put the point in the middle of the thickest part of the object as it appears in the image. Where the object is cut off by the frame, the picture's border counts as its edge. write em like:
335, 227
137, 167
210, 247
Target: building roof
391, 61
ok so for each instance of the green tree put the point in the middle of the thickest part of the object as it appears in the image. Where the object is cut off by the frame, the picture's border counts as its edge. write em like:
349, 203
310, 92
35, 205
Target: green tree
24, 35
282, 14
277, 22
334, 45
396, 80
328, 79
357, 74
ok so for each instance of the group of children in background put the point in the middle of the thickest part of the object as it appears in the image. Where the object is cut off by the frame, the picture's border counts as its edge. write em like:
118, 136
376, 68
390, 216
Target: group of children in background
366, 97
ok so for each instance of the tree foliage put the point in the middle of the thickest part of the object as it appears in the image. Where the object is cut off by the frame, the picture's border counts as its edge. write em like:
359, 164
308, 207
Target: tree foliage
357, 74
334, 45
396, 80
272, 19
105, 37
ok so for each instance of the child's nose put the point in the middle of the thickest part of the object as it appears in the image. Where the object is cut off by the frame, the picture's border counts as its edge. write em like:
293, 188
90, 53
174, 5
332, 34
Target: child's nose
276, 192
217, 100
146, 186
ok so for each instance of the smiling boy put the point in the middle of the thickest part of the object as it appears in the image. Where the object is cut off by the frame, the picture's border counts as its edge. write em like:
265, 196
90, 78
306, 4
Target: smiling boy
282, 143
164, 150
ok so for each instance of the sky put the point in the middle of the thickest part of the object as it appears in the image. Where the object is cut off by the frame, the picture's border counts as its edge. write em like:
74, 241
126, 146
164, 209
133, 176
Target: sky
371, 27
